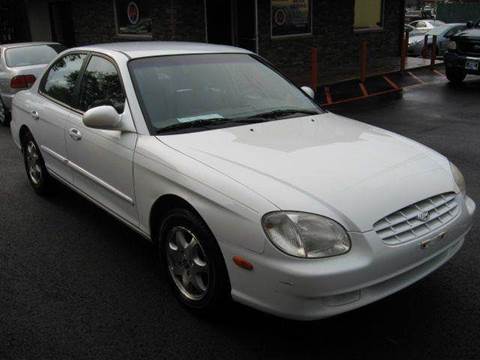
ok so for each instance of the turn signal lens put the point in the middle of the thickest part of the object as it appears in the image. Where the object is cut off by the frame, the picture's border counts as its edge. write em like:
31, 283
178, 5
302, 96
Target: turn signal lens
22, 81
243, 263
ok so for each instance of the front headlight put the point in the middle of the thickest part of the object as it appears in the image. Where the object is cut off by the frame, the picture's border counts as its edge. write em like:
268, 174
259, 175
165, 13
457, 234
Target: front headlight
452, 45
306, 235
459, 179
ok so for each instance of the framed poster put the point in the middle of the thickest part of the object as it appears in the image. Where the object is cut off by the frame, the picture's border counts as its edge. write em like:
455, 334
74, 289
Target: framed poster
291, 17
133, 17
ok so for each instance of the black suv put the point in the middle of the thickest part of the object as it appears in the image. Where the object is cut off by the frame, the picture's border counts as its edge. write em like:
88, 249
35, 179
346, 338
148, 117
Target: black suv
463, 56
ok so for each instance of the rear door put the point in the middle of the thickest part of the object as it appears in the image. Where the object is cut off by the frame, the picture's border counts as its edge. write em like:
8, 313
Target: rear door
102, 160
59, 88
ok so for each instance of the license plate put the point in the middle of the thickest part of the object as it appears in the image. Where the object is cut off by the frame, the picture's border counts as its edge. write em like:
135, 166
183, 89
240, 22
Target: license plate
471, 65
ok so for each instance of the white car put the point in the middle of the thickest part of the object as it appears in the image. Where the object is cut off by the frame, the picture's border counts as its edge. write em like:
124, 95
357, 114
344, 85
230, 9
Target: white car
425, 25
247, 188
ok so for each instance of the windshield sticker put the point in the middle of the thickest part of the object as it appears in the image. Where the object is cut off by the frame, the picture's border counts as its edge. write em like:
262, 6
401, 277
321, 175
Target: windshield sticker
200, 117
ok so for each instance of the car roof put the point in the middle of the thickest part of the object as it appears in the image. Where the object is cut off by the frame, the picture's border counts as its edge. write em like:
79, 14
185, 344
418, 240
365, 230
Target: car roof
26, 44
138, 49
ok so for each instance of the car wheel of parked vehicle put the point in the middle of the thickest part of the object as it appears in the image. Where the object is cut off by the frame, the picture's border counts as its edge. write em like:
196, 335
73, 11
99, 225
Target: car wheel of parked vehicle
35, 166
455, 76
4, 115
193, 261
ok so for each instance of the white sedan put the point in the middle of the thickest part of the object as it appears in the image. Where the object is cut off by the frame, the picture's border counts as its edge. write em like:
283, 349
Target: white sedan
246, 187
425, 25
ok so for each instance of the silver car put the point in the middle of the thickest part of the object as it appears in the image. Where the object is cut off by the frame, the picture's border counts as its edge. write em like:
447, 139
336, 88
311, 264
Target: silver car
416, 43
20, 65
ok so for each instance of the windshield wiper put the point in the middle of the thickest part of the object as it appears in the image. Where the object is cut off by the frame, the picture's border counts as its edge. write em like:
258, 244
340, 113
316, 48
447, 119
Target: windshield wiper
275, 114
209, 123
191, 124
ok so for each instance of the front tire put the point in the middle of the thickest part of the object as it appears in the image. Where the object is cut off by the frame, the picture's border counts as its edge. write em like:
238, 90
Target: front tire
192, 261
455, 76
37, 173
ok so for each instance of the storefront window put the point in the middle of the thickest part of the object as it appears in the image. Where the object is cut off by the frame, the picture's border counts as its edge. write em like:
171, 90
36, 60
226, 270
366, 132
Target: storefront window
291, 17
133, 17
368, 14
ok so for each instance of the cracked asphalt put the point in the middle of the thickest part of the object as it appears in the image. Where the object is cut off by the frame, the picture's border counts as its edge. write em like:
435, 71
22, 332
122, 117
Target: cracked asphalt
77, 284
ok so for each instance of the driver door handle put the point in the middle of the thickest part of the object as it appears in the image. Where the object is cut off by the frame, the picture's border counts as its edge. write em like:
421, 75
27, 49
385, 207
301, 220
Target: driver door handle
35, 115
75, 134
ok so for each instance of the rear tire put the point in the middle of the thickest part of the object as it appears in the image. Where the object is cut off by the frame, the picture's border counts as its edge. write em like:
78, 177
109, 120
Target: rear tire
35, 168
455, 76
193, 262
4, 115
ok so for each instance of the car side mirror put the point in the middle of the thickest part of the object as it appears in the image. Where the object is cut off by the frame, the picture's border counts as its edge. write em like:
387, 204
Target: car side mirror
103, 117
309, 91
470, 25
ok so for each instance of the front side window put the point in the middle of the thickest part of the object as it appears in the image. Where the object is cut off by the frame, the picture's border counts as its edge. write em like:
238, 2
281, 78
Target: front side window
186, 89
61, 80
101, 86
421, 24
368, 14
32, 55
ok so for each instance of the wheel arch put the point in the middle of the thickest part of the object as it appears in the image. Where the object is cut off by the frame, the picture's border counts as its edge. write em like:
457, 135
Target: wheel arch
164, 204
24, 130
172, 201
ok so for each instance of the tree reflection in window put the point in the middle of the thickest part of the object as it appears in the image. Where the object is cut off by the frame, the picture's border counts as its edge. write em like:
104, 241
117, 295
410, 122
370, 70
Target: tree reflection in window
101, 86
62, 78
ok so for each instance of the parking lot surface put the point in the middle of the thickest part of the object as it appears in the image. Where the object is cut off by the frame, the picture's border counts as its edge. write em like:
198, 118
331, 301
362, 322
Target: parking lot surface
77, 284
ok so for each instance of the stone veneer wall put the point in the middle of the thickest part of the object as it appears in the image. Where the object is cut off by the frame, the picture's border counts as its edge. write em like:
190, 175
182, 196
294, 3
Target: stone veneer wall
94, 21
333, 34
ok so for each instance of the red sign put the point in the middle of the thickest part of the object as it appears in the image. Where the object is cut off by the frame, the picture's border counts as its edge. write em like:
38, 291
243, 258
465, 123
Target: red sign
133, 13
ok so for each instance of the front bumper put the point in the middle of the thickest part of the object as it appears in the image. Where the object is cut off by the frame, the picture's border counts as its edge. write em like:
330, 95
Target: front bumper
306, 289
457, 61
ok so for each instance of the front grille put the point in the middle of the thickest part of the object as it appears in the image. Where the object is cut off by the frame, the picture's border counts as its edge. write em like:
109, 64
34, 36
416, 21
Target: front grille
407, 224
469, 48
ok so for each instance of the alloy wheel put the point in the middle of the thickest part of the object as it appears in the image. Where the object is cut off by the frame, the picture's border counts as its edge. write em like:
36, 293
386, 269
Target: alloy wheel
187, 263
33, 163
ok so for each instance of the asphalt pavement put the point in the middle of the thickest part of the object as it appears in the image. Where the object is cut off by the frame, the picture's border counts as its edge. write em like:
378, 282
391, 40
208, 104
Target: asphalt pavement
77, 284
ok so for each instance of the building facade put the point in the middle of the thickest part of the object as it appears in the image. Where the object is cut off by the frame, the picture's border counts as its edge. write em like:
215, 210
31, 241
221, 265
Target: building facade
283, 31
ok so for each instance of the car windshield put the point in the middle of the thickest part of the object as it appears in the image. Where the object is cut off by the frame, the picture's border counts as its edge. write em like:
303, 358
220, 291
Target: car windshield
32, 55
439, 30
213, 89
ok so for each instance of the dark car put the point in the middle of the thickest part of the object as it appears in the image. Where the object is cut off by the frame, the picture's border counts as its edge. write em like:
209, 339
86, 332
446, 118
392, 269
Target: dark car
463, 56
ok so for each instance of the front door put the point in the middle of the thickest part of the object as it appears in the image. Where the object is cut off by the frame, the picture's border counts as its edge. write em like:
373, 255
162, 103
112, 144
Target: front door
102, 160
53, 110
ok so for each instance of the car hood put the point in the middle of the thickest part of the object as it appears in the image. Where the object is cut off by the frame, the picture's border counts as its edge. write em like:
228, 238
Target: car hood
469, 34
324, 164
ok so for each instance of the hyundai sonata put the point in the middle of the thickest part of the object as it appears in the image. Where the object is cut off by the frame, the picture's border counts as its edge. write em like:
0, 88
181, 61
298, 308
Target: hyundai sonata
247, 188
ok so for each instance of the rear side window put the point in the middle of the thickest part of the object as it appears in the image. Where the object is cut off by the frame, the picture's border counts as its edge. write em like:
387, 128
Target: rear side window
101, 85
61, 79
32, 55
